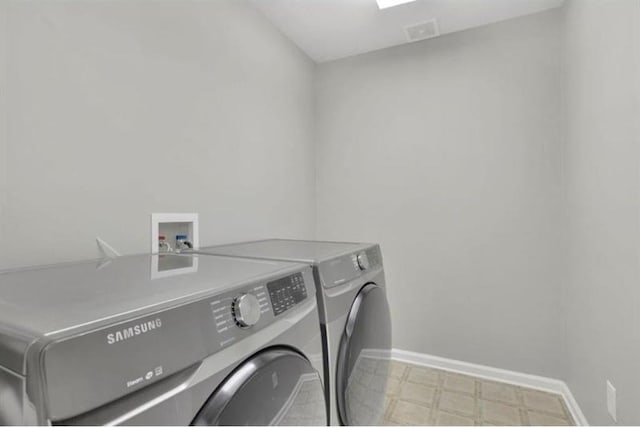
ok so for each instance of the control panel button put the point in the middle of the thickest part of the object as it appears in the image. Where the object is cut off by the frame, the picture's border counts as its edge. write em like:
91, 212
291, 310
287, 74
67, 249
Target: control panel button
286, 292
363, 261
246, 310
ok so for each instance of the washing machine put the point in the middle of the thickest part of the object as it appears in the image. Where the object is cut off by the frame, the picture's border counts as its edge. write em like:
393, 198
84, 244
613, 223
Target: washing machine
161, 340
354, 315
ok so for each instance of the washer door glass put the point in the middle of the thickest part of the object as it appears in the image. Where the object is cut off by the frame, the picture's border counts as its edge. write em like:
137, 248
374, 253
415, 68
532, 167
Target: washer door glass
274, 387
363, 359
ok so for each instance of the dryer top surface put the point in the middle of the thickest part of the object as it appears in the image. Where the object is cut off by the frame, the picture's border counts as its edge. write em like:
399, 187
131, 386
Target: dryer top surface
311, 252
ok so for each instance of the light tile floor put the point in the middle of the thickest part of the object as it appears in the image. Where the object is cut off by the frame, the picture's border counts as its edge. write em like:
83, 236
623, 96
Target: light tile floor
424, 396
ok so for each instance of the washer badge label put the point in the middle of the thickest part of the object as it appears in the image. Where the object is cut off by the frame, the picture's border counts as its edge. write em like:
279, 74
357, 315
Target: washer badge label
133, 331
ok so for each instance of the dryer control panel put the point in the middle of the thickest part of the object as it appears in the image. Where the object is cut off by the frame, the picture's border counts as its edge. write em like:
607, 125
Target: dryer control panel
341, 270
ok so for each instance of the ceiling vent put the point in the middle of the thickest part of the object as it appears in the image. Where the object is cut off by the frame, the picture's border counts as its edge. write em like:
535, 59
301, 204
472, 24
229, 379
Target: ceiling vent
422, 31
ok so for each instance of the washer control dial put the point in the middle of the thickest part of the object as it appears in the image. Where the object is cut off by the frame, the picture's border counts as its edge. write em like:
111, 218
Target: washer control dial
363, 261
246, 310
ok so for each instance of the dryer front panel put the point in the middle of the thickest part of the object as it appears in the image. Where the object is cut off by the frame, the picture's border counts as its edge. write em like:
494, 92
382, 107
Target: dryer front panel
363, 359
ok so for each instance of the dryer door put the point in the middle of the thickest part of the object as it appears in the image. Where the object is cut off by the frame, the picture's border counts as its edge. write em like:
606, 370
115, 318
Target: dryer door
275, 387
363, 359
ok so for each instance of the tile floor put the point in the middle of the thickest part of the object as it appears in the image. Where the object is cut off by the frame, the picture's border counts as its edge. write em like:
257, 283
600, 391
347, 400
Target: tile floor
424, 396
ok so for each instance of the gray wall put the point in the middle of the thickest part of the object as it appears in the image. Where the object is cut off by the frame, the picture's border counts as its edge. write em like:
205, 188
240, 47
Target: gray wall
602, 114
3, 119
447, 152
121, 109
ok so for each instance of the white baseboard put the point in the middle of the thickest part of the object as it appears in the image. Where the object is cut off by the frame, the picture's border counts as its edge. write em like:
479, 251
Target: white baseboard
573, 406
495, 374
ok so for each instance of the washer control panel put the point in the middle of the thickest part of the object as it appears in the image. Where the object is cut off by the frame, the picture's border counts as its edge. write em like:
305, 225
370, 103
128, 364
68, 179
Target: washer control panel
246, 310
286, 292
241, 312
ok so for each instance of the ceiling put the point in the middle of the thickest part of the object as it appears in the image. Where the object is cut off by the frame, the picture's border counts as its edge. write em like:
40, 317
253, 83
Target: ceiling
333, 29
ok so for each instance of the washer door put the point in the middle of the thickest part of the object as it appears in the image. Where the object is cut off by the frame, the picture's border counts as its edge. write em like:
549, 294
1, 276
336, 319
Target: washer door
275, 387
363, 359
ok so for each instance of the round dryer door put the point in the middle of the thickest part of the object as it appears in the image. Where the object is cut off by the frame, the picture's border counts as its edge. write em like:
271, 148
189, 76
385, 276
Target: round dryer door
363, 359
274, 387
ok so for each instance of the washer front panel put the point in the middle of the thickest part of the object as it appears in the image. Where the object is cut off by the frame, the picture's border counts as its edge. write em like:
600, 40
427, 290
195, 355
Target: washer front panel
86, 371
275, 387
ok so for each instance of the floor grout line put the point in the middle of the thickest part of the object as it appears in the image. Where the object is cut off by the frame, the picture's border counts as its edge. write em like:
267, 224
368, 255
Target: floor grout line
506, 402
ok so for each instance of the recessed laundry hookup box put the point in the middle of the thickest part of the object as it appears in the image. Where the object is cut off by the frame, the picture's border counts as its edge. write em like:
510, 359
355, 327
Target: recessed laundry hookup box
174, 232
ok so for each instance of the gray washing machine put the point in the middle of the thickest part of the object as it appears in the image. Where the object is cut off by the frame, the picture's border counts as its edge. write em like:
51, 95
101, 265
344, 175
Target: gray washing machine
161, 340
354, 314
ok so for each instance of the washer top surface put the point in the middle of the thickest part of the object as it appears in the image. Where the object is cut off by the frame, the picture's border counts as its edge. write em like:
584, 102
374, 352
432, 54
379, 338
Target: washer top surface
47, 300
292, 250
